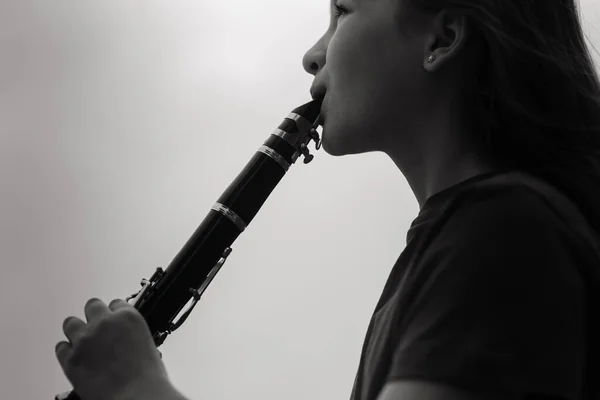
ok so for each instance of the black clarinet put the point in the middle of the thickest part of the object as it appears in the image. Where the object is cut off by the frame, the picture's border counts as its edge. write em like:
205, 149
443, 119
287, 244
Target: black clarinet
162, 298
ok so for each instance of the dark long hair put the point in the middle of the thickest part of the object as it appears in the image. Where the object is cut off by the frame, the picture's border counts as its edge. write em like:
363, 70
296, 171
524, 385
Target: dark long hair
538, 97
539, 92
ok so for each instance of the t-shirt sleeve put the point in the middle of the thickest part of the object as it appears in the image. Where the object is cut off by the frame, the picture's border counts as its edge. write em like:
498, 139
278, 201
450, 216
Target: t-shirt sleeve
502, 309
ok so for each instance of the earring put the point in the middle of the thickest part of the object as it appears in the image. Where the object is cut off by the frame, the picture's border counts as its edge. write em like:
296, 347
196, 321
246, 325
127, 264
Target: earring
431, 58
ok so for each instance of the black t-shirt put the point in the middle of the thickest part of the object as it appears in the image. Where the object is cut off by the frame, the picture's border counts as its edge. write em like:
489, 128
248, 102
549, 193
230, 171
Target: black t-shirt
487, 295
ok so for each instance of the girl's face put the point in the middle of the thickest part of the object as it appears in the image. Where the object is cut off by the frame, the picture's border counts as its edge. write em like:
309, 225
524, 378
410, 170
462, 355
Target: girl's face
381, 94
371, 74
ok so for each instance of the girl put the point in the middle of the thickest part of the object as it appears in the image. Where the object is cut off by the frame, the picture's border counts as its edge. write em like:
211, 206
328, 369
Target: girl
491, 111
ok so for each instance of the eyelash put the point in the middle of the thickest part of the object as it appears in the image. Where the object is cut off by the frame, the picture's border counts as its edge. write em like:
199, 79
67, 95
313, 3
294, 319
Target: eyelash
339, 10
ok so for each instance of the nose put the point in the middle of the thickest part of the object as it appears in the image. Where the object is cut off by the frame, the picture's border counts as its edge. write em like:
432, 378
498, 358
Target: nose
314, 59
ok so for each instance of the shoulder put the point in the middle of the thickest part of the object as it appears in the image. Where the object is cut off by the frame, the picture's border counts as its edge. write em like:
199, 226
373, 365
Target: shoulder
504, 255
509, 215
505, 204
501, 233
498, 306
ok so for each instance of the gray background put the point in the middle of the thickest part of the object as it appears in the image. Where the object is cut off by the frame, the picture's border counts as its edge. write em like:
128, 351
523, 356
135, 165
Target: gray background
121, 122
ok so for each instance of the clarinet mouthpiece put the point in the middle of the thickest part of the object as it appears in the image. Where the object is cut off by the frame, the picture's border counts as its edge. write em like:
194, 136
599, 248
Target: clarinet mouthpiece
310, 110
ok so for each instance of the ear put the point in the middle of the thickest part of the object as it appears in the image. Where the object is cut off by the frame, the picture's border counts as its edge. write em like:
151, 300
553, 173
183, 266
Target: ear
448, 37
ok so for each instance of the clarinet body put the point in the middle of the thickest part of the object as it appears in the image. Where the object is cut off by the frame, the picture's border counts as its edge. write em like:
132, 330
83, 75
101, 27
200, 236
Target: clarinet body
163, 297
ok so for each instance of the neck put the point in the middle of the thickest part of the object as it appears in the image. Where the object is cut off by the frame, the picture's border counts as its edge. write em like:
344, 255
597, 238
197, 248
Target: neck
440, 158
428, 180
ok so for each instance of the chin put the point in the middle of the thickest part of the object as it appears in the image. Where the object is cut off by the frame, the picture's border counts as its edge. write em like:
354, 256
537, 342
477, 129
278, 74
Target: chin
333, 149
340, 145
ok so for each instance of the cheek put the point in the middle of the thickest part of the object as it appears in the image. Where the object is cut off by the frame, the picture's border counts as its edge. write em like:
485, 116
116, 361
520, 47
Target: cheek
362, 58
338, 58
367, 79
349, 122
349, 45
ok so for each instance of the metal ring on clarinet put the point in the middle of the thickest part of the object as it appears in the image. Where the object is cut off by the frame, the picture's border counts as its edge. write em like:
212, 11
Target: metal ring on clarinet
232, 216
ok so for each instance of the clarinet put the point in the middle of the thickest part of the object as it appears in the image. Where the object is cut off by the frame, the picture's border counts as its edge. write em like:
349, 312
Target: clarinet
162, 297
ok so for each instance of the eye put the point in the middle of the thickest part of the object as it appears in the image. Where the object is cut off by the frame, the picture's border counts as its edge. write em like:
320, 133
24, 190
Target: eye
339, 10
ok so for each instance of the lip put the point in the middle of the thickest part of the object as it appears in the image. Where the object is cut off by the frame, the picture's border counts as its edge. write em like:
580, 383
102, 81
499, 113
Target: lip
317, 91
320, 120
322, 113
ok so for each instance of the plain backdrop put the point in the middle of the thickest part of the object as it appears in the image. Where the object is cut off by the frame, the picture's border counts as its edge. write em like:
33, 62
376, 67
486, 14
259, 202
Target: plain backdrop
121, 123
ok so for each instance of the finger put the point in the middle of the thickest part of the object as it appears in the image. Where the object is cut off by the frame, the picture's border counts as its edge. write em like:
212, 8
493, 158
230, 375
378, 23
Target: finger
122, 306
73, 328
117, 304
63, 350
94, 308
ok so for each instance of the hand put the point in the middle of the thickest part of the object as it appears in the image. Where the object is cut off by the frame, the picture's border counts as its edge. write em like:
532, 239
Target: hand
113, 356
